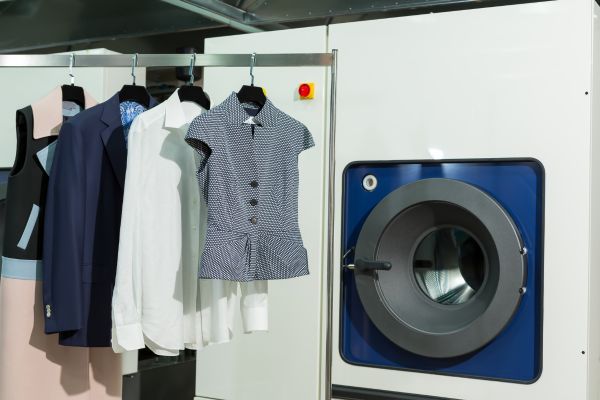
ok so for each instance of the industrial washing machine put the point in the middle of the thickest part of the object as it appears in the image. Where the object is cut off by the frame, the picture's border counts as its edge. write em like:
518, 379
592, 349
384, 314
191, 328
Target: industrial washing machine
474, 273
443, 267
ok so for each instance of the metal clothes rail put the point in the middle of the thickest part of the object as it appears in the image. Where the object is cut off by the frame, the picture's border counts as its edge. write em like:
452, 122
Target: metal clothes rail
224, 60
167, 60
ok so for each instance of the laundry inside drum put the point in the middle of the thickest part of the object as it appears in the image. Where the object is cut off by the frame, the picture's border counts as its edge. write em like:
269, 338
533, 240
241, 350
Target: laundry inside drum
449, 265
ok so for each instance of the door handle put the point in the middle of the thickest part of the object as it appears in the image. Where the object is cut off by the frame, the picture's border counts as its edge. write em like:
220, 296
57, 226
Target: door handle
365, 265
369, 265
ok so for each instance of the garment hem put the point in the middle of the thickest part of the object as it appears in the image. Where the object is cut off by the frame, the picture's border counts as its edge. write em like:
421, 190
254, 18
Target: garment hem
256, 278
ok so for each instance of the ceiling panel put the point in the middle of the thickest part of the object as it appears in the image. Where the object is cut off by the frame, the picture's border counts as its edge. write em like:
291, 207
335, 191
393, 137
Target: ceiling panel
293, 10
31, 24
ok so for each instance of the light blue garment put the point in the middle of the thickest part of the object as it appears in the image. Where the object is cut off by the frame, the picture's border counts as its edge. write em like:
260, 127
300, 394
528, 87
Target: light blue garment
129, 110
46, 156
31, 221
30, 270
70, 109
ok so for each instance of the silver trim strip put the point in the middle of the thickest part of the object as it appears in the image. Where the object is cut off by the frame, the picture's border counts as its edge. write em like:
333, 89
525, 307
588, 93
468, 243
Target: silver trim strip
330, 227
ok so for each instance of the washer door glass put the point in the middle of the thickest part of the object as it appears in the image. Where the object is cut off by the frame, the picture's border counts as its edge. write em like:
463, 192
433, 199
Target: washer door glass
449, 265
457, 267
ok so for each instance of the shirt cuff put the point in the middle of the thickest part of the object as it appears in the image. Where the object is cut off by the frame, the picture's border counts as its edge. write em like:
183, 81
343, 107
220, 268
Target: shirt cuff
128, 337
255, 319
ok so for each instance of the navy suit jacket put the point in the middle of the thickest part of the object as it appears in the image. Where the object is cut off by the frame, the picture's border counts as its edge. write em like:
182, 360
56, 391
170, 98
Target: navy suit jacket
81, 226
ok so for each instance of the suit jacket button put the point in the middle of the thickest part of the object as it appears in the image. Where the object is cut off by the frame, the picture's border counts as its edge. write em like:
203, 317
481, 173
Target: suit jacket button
253, 202
254, 184
253, 220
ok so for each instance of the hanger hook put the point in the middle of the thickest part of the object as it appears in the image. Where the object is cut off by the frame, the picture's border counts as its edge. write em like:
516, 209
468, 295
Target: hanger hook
252, 63
71, 65
192, 65
134, 63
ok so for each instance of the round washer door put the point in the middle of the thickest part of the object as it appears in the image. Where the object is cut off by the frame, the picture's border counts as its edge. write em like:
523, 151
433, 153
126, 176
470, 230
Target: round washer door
457, 267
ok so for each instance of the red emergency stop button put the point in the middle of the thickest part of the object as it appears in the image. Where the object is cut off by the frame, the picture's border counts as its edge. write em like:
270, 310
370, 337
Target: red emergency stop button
306, 91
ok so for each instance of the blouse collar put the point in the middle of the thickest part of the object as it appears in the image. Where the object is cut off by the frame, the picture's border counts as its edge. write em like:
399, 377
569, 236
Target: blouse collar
236, 114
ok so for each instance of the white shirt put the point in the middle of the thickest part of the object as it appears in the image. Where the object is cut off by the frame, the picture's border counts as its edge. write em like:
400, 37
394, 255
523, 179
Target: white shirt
155, 297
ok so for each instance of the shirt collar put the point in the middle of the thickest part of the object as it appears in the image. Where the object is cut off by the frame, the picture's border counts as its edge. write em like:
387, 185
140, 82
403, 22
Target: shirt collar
237, 115
174, 114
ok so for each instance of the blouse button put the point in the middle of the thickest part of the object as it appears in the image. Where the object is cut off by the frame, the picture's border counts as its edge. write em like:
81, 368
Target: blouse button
254, 184
253, 220
253, 202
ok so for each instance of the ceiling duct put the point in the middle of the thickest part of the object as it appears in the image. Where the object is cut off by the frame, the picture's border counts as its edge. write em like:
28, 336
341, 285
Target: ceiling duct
221, 12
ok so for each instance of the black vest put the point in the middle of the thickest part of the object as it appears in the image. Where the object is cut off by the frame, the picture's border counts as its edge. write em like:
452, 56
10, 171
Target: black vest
26, 193
26, 189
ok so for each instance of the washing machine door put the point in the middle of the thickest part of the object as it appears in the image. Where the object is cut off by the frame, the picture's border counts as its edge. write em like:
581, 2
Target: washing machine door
440, 267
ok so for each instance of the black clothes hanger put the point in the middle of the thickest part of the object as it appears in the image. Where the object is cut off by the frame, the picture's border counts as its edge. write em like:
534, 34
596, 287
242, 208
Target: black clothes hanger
132, 92
195, 94
192, 93
139, 94
252, 94
71, 92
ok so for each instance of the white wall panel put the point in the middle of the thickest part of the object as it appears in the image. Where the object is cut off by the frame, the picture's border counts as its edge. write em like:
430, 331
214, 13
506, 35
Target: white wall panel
283, 363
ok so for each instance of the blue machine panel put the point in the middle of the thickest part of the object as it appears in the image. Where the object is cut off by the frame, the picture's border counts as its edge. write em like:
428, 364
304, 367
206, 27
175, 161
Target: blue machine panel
518, 185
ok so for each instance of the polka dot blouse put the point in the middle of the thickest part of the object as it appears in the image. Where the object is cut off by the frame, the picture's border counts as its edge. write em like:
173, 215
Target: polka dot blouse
249, 177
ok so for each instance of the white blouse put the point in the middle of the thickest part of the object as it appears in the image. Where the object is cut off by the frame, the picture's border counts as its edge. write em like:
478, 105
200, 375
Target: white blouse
155, 296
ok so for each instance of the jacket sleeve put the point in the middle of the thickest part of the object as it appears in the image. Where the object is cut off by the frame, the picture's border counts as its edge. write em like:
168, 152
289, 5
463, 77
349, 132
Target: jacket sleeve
63, 234
127, 295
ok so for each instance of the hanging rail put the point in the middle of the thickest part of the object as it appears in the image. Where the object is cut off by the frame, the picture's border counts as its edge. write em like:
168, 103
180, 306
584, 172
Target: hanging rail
228, 60
167, 60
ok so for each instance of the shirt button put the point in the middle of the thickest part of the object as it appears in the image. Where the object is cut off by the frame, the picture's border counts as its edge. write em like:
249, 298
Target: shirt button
253, 202
253, 220
254, 184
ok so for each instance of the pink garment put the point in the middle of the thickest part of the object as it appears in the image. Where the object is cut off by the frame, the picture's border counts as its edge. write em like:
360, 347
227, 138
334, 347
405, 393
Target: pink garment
48, 115
34, 366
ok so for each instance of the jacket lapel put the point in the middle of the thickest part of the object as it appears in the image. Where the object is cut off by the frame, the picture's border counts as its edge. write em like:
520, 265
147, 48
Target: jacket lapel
113, 138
